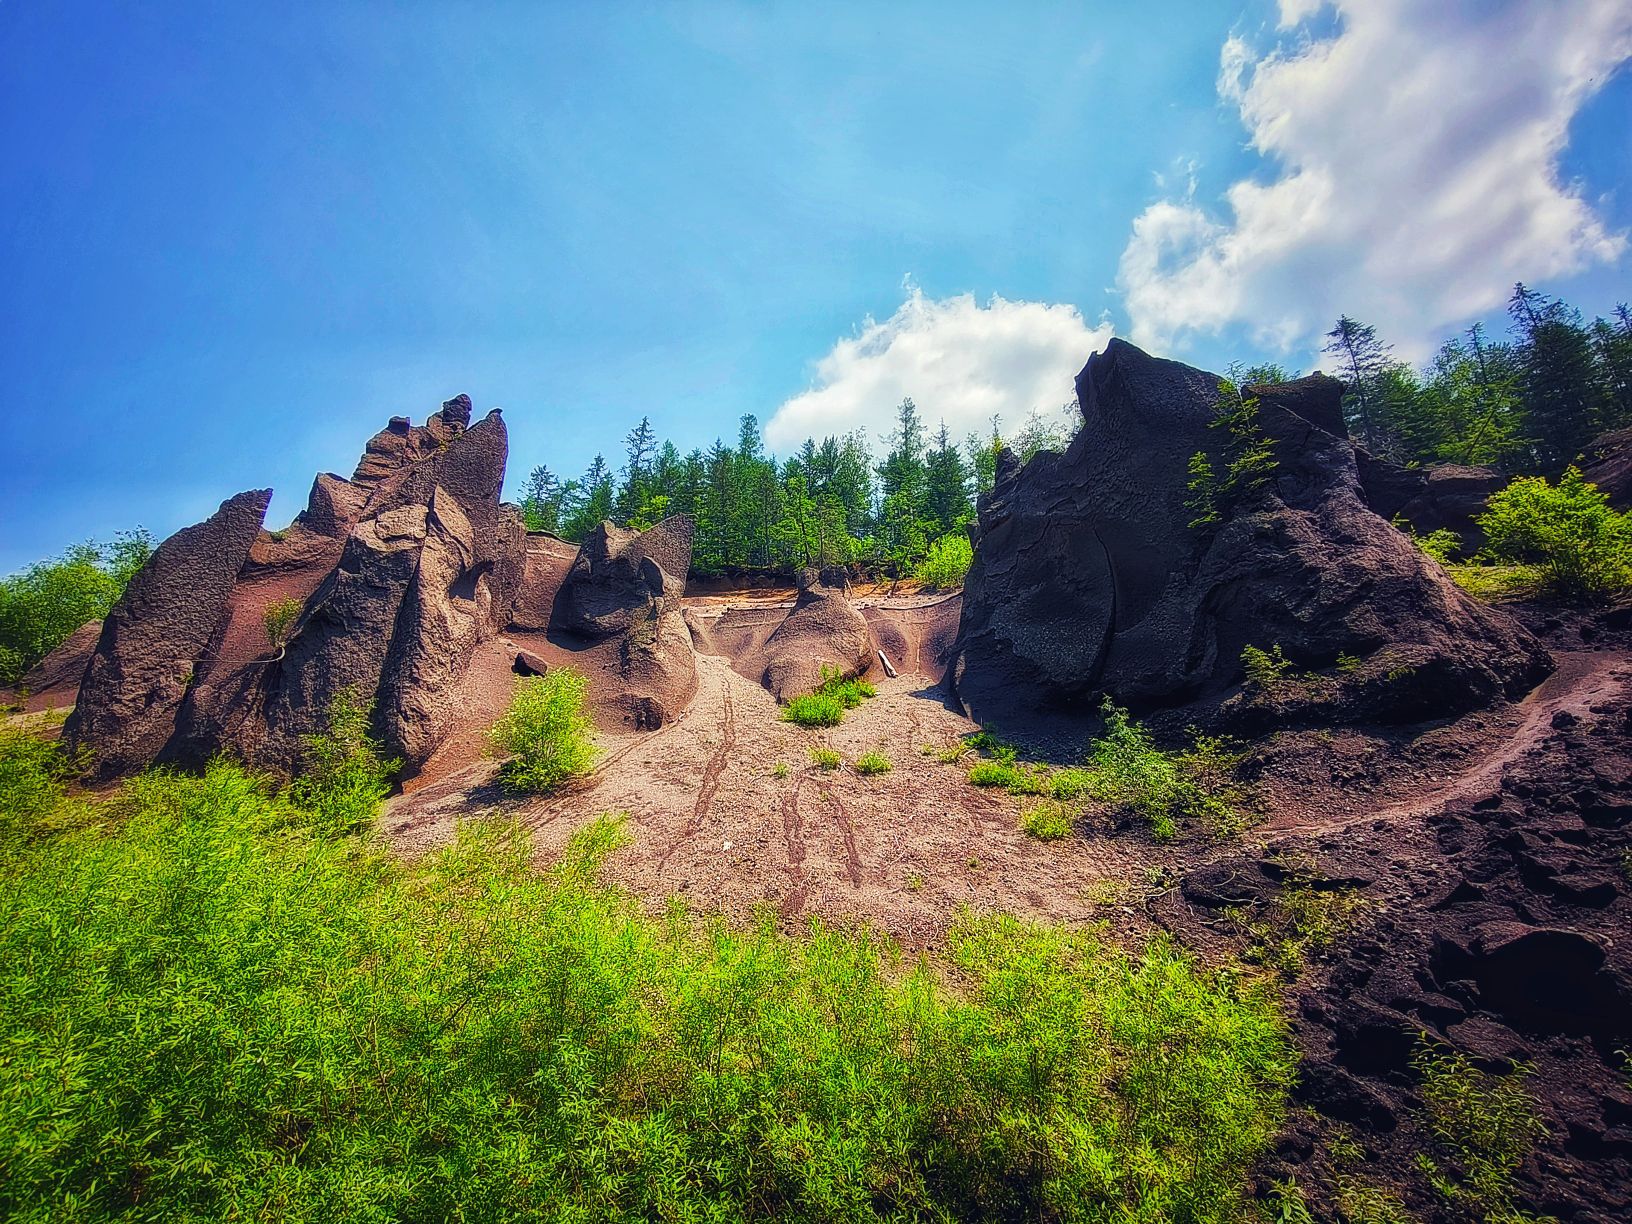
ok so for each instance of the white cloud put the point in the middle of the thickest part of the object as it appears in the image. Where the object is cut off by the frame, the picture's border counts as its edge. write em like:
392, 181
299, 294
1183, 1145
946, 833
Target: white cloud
959, 361
1415, 174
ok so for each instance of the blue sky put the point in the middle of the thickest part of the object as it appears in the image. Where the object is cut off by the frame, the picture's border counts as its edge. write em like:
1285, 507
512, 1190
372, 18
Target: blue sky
238, 237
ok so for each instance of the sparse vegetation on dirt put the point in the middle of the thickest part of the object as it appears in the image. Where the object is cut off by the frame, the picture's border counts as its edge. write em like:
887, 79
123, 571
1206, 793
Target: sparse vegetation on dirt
869, 764
263, 1018
827, 705
1125, 769
1567, 530
546, 736
825, 758
1304, 918
1498, 583
1483, 1126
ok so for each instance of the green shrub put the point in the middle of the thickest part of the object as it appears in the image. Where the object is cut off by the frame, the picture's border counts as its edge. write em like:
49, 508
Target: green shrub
1483, 1125
825, 706
42, 605
1047, 819
279, 617
1248, 455
209, 1012
1265, 668
1126, 769
814, 710
1581, 546
32, 774
871, 763
779, 770
1441, 544
344, 774
546, 736
947, 562
825, 758
1014, 778
1070, 783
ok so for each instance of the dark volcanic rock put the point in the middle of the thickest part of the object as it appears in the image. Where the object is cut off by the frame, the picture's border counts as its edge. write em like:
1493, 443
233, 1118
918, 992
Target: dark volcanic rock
59, 673
1607, 463
155, 635
1088, 578
624, 578
1445, 496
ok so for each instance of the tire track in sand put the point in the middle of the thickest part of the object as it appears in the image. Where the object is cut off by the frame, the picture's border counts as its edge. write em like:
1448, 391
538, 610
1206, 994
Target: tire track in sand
711, 776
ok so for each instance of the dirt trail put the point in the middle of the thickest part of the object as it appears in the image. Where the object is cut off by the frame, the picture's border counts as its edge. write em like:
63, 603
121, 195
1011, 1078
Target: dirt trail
1583, 679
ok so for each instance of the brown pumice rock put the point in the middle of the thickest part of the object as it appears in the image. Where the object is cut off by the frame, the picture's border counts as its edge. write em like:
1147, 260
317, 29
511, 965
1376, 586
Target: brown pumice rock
156, 635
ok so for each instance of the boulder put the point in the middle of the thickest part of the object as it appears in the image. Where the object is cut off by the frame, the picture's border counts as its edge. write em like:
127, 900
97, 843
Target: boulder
624, 578
823, 633
1607, 463
59, 673
1088, 577
156, 636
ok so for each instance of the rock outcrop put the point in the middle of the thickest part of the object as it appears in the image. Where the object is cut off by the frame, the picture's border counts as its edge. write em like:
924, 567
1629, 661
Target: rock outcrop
1607, 463
154, 640
619, 605
624, 578
1089, 578
824, 632
1444, 496
428, 574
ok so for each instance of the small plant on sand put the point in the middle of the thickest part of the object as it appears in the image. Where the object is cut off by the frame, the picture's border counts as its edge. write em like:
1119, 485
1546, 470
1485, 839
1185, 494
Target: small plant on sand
870, 763
1265, 669
825, 758
279, 618
826, 706
779, 770
1047, 819
1483, 1125
545, 736
344, 771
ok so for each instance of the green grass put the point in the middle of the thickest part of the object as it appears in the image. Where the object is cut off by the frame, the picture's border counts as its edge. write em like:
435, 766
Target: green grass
869, 764
1014, 778
1048, 819
827, 705
213, 1009
825, 758
946, 563
545, 737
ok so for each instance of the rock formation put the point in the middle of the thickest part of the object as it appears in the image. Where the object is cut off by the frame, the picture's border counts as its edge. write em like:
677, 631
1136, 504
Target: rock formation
400, 574
1443, 496
824, 632
1607, 463
154, 640
1089, 579
619, 606
624, 578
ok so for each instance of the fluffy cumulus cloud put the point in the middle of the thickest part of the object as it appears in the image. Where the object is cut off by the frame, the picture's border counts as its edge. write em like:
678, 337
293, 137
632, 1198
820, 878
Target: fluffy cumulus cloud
959, 360
1413, 174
